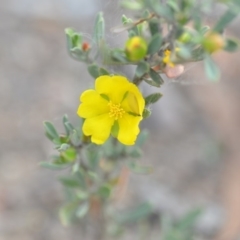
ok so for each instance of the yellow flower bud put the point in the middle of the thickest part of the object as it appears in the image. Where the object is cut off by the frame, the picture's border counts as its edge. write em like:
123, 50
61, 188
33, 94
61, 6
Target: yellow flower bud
213, 42
136, 48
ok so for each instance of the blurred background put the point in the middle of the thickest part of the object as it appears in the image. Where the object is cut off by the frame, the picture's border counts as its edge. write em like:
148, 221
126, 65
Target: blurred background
194, 129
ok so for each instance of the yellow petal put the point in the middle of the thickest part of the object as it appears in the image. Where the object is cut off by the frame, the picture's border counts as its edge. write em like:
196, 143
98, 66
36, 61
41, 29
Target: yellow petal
92, 104
128, 129
98, 128
134, 101
114, 87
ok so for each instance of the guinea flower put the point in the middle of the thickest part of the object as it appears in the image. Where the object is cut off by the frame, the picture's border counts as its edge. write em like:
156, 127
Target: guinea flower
114, 107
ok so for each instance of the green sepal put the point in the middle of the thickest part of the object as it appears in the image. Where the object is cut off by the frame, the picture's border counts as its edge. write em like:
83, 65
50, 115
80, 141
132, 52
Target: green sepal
115, 129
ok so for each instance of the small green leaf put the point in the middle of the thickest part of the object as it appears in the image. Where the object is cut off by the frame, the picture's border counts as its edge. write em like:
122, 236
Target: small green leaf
103, 71
63, 147
154, 26
99, 28
155, 44
211, 69
69, 182
138, 213
51, 131
132, 5
156, 77
142, 69
228, 17
54, 166
105, 191
67, 212
152, 83
69, 154
140, 169
82, 210
231, 45
93, 70
146, 113
152, 98
204, 30
75, 138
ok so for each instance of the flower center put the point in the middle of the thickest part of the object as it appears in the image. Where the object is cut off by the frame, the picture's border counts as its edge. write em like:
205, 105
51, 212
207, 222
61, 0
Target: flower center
115, 110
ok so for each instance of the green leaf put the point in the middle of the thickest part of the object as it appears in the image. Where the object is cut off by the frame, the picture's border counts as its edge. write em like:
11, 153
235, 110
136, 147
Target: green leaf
105, 191
54, 166
119, 56
231, 45
142, 68
103, 71
142, 137
138, 213
132, 5
156, 77
189, 220
155, 44
160, 9
115, 129
51, 131
154, 27
204, 30
152, 83
228, 17
211, 69
146, 113
99, 28
152, 98
75, 138
63, 147
93, 70
140, 169
69, 154
67, 213
82, 210
69, 182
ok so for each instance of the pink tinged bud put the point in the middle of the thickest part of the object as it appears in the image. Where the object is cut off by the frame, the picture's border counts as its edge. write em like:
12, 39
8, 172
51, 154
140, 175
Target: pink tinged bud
174, 72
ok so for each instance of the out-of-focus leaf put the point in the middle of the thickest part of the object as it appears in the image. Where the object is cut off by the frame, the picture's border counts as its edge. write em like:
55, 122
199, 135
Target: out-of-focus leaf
146, 113
156, 77
53, 166
152, 83
67, 213
140, 169
82, 210
103, 71
152, 98
155, 44
71, 182
231, 45
138, 213
142, 69
142, 137
99, 28
211, 69
225, 20
132, 5
93, 70
153, 26
51, 131
105, 191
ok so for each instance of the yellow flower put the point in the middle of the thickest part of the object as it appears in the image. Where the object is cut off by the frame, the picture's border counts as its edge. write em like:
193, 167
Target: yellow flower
167, 58
115, 106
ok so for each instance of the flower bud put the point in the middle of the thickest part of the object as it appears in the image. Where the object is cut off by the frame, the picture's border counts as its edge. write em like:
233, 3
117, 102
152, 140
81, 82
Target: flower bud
136, 48
85, 46
213, 42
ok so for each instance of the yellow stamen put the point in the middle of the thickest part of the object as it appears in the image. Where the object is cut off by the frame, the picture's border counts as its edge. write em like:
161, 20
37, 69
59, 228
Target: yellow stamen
167, 58
115, 110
